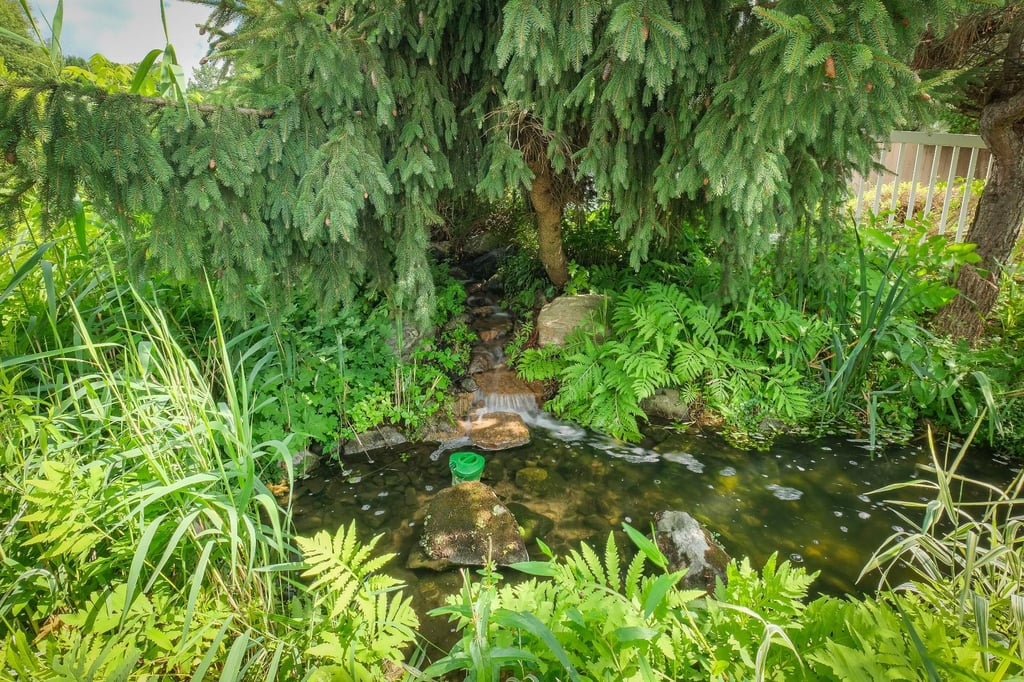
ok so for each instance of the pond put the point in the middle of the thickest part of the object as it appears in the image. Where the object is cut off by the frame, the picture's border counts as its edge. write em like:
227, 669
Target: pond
807, 500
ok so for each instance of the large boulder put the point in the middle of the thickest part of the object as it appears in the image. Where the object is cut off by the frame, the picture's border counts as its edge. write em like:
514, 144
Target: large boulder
563, 315
499, 431
688, 545
463, 526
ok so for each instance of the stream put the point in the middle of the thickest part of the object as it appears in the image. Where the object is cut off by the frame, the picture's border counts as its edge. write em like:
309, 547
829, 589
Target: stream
808, 500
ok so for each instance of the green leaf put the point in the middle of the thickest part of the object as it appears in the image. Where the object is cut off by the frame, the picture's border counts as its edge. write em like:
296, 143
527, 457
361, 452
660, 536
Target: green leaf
531, 624
144, 68
659, 588
539, 568
24, 270
647, 546
56, 28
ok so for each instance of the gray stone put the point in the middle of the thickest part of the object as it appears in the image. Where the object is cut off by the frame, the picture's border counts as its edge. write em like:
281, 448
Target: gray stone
304, 462
383, 437
499, 431
688, 545
463, 526
565, 314
665, 403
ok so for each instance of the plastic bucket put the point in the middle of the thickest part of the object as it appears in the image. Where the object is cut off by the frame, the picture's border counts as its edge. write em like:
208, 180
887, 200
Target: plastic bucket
465, 466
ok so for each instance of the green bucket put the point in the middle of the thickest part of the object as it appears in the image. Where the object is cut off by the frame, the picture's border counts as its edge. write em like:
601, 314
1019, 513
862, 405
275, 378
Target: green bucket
465, 466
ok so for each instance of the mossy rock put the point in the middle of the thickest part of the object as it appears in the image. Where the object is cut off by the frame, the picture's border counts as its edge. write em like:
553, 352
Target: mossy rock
464, 525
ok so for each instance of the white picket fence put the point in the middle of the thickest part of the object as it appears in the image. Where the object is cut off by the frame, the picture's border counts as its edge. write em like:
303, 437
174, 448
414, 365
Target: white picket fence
921, 162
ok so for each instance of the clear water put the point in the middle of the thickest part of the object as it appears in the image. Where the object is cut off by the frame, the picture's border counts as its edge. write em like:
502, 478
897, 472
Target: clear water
810, 501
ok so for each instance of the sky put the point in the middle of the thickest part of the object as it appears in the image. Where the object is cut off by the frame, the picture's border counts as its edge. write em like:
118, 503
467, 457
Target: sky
126, 30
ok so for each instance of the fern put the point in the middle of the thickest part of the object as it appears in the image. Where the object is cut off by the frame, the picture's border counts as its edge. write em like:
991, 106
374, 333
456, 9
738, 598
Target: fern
374, 622
341, 566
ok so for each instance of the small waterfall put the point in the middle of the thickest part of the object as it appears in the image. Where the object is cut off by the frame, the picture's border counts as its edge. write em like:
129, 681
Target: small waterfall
523, 404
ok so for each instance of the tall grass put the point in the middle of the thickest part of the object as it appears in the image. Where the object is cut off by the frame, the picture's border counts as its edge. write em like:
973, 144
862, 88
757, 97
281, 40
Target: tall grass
965, 556
138, 536
143, 489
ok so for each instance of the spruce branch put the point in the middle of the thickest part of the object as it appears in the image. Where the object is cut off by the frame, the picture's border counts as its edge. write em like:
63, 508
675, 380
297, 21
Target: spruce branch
99, 94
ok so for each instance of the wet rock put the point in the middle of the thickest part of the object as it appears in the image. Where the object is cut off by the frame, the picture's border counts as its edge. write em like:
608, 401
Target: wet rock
666, 403
384, 437
499, 431
463, 525
532, 479
564, 314
412, 498
503, 386
304, 462
495, 326
687, 544
440, 429
531, 524
491, 335
483, 359
486, 264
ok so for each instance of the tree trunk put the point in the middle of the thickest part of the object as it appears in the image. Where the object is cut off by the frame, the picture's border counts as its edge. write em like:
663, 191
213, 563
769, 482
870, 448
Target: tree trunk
997, 223
549, 208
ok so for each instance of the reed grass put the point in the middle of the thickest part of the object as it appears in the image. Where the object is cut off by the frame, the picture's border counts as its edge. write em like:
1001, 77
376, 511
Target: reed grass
965, 555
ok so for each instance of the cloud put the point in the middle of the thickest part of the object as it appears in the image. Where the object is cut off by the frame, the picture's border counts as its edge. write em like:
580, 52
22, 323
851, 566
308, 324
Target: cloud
125, 30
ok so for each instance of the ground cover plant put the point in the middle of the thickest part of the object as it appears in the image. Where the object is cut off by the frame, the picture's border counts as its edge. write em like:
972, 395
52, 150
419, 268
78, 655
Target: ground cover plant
339, 375
859, 352
193, 290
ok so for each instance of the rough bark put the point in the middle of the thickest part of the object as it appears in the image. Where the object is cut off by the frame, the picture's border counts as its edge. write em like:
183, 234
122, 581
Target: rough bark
549, 208
997, 223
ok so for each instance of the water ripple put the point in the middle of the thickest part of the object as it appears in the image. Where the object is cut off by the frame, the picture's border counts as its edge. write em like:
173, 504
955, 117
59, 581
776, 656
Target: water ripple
785, 493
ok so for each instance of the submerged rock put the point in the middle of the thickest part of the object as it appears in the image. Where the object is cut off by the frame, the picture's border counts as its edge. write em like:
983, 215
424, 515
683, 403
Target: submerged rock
531, 479
687, 544
563, 315
499, 431
463, 526
532, 524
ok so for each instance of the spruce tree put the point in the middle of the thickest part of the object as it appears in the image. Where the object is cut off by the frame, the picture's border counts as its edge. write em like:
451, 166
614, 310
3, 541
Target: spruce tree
360, 116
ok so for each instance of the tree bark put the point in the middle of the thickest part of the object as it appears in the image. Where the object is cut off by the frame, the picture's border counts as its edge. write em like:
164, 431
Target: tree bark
997, 224
549, 208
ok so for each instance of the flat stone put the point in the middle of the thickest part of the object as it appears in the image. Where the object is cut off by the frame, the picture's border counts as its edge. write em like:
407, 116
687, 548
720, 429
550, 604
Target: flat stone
441, 429
384, 437
499, 431
464, 525
564, 315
